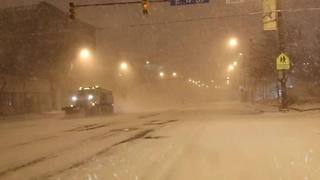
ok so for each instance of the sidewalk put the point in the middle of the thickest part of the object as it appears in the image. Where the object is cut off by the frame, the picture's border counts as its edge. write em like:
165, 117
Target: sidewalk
294, 107
263, 107
305, 107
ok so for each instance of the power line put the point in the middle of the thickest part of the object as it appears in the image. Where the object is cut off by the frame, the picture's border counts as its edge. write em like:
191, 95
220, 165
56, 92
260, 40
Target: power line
209, 18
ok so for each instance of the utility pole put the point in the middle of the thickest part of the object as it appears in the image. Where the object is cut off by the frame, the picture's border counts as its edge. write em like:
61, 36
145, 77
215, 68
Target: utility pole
282, 73
251, 64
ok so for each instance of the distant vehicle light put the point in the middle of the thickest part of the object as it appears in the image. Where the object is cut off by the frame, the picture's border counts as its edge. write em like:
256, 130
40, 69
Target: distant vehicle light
90, 97
74, 98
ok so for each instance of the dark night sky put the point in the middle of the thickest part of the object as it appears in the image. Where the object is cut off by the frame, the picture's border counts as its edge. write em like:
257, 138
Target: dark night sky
196, 49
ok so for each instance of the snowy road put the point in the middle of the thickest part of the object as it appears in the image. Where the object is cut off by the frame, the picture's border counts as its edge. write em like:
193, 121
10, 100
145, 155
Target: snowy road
225, 141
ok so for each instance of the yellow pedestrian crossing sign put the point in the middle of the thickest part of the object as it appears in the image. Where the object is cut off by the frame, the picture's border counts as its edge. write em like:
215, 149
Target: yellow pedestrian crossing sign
283, 62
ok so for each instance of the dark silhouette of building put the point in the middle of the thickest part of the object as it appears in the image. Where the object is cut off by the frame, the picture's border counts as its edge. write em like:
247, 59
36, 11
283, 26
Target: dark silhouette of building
38, 44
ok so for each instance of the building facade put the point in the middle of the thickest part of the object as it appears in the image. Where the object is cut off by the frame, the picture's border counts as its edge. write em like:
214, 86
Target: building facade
38, 45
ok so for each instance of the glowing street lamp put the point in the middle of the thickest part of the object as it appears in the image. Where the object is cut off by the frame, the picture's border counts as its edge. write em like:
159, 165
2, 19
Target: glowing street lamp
147, 62
235, 63
233, 42
84, 54
174, 74
230, 68
124, 66
161, 74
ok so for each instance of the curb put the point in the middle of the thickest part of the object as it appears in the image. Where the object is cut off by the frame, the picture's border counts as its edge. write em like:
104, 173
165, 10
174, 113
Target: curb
304, 110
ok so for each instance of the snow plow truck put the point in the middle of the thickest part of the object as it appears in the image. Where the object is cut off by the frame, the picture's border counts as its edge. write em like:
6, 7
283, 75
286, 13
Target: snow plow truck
90, 101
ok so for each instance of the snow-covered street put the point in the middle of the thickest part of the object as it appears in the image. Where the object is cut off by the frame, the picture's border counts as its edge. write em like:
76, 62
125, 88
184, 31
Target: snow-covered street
227, 141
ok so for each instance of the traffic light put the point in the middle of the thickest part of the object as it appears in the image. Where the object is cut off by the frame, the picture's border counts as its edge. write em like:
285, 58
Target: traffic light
145, 7
72, 10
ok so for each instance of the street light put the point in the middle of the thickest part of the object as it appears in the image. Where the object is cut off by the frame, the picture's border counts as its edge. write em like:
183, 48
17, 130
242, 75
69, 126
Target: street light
147, 62
235, 63
174, 74
161, 74
84, 54
230, 68
124, 66
233, 42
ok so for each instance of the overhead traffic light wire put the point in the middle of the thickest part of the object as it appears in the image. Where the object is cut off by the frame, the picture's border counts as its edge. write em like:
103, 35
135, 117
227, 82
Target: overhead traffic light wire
223, 16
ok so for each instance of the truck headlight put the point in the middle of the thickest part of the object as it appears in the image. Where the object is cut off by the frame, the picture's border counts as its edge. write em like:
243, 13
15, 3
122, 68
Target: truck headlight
90, 97
74, 98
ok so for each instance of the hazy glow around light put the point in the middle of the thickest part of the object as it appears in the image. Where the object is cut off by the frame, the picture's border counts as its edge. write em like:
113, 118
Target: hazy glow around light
124, 66
74, 98
161, 74
233, 42
174, 74
230, 68
84, 54
235, 63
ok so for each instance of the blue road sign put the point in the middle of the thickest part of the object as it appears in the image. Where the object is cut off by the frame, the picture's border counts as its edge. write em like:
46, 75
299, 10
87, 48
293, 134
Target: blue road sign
186, 2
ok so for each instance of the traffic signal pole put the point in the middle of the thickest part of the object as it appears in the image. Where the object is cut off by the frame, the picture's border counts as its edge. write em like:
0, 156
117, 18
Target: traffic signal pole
119, 3
282, 73
145, 5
